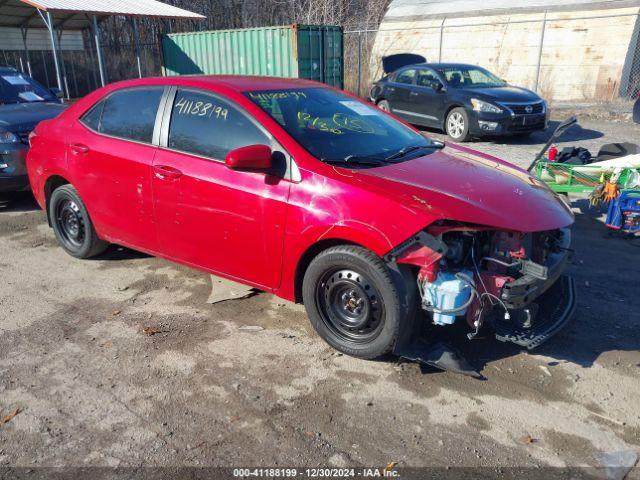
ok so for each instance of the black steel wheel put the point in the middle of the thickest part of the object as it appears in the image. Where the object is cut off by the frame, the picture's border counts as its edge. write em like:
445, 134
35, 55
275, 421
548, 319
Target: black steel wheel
350, 305
72, 225
353, 301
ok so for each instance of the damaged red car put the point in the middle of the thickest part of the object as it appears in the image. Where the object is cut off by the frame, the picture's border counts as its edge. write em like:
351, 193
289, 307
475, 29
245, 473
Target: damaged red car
302, 190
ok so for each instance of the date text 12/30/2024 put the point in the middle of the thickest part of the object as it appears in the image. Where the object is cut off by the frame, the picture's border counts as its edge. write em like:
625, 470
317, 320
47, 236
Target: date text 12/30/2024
388, 472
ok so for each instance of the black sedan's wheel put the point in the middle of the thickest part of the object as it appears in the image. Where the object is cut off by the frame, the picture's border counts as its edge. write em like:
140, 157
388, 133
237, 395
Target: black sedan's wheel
384, 105
352, 301
72, 225
457, 125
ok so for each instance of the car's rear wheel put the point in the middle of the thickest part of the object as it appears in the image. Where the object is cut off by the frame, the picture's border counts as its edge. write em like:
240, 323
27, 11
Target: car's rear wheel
72, 225
457, 125
353, 301
384, 105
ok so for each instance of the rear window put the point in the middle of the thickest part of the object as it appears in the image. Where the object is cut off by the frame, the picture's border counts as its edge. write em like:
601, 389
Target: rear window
16, 87
128, 114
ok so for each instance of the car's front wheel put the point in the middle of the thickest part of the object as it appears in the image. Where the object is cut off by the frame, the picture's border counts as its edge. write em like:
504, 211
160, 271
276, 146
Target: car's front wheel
353, 301
72, 225
457, 125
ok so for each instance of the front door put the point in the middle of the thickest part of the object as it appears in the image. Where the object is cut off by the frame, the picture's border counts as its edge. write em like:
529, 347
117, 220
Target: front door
226, 221
110, 149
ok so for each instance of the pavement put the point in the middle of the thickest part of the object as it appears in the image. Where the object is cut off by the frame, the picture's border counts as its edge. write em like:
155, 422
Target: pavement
121, 362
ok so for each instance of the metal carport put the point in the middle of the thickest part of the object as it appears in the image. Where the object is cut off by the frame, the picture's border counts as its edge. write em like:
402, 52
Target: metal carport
56, 15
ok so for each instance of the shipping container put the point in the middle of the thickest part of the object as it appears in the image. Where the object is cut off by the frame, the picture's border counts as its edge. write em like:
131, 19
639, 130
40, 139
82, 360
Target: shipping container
299, 51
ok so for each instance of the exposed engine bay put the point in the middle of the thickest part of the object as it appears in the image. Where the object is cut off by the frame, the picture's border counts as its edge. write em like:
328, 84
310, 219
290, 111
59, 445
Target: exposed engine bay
510, 281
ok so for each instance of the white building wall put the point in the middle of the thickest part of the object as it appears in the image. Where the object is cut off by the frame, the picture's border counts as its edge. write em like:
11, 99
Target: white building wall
582, 58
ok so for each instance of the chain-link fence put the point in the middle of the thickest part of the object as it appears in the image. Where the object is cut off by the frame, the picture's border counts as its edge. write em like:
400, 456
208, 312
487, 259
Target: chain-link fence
573, 58
79, 68
564, 58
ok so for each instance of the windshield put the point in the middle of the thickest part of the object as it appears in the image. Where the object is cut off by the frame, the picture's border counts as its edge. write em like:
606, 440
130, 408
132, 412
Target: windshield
464, 76
18, 88
336, 128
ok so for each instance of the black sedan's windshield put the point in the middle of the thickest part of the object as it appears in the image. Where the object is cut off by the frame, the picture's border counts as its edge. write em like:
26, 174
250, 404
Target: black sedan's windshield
18, 88
336, 128
467, 76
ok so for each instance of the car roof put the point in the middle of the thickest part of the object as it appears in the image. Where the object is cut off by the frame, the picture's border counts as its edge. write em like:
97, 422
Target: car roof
238, 83
445, 65
7, 69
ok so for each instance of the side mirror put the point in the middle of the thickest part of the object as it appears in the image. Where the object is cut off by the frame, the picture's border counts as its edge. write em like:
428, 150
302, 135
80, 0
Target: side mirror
437, 86
251, 157
57, 92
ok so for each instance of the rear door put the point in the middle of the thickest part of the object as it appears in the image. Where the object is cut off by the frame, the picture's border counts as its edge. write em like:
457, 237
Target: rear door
399, 90
427, 101
227, 221
110, 150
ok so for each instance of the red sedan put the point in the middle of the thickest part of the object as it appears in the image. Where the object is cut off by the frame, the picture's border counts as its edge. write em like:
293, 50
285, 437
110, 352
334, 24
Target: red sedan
305, 191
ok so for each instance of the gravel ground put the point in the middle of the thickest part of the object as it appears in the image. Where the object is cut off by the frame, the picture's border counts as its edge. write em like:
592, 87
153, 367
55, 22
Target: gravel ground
248, 383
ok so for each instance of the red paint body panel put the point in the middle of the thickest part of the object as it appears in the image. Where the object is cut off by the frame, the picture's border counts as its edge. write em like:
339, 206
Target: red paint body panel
255, 228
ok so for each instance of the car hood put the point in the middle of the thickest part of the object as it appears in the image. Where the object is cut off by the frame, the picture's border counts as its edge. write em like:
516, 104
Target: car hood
23, 117
462, 185
504, 94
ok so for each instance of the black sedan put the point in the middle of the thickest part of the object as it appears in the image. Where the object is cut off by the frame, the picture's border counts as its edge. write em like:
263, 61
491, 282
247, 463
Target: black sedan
23, 103
463, 100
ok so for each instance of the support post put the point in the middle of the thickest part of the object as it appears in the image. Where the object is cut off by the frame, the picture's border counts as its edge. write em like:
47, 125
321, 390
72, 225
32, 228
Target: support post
441, 40
544, 27
24, 31
54, 48
96, 37
359, 61
63, 67
136, 41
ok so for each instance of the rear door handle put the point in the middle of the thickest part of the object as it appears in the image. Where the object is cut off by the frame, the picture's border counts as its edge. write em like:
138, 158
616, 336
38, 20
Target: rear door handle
164, 172
79, 148
414, 94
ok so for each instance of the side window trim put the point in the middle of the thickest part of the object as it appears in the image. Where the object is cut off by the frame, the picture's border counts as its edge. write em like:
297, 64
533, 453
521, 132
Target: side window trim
100, 104
163, 141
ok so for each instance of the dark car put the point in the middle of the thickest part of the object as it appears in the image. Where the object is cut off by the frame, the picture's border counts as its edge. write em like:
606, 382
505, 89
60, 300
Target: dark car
636, 111
23, 103
463, 100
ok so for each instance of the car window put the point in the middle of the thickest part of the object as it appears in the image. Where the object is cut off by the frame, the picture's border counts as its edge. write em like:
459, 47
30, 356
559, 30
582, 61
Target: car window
92, 118
15, 87
406, 76
128, 114
333, 126
209, 126
470, 77
426, 78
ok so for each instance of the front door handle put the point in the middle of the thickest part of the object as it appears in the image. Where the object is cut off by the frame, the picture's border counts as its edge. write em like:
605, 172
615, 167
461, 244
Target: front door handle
414, 94
79, 148
164, 172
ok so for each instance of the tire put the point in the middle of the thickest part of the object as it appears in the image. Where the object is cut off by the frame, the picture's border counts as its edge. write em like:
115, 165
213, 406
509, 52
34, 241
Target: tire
72, 225
384, 105
457, 125
353, 301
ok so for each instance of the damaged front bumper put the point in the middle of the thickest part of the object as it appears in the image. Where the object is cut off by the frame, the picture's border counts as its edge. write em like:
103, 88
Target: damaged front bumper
555, 308
525, 300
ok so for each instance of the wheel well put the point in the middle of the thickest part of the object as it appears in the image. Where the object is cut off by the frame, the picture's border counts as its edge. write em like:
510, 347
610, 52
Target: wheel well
446, 114
53, 182
308, 256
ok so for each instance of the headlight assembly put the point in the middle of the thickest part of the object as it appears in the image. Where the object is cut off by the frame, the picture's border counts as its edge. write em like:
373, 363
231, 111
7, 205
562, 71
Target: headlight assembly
482, 106
8, 137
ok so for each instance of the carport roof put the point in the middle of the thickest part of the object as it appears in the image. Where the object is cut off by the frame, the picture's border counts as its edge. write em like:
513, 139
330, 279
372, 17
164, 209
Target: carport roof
75, 14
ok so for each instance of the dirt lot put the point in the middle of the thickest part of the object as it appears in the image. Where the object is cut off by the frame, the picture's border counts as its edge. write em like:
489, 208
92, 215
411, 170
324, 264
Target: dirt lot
248, 383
